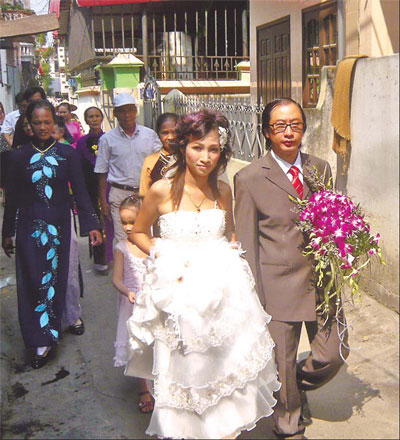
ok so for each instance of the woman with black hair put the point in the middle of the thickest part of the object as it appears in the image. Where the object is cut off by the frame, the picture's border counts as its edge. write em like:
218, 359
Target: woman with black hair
37, 212
155, 165
65, 109
87, 147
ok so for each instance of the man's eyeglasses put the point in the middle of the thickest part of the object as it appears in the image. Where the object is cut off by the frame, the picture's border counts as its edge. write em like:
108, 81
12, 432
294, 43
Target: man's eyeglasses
280, 127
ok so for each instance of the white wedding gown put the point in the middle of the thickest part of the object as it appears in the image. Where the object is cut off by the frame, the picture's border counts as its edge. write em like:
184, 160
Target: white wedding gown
200, 333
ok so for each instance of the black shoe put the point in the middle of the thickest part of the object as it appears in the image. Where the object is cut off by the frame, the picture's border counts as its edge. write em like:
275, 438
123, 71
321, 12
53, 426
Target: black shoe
77, 329
305, 415
101, 269
40, 361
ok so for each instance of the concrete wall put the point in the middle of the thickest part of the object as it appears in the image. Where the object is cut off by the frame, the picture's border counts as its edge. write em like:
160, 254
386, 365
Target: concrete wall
372, 178
318, 139
6, 92
6, 96
373, 175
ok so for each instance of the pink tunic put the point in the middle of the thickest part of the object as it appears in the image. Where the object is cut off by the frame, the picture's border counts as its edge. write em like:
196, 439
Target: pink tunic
75, 130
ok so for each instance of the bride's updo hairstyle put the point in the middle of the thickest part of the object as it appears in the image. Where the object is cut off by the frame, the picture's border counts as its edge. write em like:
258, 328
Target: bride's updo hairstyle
196, 126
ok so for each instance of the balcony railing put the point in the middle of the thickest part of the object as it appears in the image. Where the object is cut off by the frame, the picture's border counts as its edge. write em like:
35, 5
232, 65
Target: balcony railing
184, 67
14, 14
194, 67
187, 40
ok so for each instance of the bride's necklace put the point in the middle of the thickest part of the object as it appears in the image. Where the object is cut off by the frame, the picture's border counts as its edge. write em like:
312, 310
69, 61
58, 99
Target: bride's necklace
197, 206
45, 150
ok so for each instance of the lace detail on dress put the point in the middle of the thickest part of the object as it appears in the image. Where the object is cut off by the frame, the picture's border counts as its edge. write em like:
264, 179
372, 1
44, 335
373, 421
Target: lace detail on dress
192, 226
168, 334
218, 332
224, 311
199, 399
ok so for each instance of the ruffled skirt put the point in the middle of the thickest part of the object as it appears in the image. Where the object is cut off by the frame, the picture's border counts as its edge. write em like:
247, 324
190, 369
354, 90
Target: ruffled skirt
200, 333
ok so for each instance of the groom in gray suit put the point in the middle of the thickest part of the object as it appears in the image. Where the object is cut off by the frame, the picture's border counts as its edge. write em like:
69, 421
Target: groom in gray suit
265, 225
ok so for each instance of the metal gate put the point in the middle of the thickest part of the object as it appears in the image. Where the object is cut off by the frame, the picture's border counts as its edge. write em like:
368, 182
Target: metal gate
152, 105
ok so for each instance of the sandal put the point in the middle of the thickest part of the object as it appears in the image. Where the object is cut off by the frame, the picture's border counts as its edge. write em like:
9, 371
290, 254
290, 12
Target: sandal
145, 405
77, 329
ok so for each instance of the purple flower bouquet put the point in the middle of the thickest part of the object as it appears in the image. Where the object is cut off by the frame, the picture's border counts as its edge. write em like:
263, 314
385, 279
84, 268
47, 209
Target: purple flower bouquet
339, 241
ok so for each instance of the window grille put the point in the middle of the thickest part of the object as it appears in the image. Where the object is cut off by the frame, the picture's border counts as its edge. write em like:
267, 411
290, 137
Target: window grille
193, 40
319, 47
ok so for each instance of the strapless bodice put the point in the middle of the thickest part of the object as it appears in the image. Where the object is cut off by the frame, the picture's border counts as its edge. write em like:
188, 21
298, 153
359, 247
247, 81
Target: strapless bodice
191, 226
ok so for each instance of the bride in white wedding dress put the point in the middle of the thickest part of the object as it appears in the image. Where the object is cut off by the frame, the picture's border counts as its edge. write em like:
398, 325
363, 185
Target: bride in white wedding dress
198, 329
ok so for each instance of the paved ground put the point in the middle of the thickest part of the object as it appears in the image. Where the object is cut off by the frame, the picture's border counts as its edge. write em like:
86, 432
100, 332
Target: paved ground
79, 394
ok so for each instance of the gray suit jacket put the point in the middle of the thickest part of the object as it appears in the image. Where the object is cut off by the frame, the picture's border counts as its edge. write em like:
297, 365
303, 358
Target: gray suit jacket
265, 225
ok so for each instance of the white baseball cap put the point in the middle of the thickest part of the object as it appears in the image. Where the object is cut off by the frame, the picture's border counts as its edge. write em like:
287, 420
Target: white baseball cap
124, 99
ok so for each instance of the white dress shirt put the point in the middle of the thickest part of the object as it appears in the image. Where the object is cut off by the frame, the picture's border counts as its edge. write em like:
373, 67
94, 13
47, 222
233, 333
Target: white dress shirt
122, 156
9, 122
285, 166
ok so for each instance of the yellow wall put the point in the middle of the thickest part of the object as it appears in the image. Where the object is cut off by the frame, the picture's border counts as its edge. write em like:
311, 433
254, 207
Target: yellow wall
379, 27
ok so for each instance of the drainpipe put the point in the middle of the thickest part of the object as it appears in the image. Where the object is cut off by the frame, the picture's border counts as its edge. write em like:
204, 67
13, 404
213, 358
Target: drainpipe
145, 40
341, 29
245, 41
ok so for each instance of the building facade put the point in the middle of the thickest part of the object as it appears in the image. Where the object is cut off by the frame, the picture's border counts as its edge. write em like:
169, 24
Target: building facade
292, 40
176, 40
16, 58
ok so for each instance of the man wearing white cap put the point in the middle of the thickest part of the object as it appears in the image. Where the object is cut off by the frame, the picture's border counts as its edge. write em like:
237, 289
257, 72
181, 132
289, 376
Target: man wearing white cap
122, 151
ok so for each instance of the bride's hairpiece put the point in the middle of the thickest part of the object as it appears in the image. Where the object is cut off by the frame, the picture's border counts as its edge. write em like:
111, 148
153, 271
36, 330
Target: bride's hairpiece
223, 137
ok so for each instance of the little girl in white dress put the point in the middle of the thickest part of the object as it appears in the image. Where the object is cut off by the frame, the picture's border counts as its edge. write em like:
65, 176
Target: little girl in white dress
129, 270
198, 329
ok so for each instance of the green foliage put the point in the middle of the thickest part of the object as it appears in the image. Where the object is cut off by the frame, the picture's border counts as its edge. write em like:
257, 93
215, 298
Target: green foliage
41, 39
42, 58
10, 7
17, 7
47, 53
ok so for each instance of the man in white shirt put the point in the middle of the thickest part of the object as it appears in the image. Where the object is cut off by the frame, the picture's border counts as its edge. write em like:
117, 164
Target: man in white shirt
122, 151
8, 127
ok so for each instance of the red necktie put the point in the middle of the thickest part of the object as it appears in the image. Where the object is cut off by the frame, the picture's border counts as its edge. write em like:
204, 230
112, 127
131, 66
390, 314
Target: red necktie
296, 182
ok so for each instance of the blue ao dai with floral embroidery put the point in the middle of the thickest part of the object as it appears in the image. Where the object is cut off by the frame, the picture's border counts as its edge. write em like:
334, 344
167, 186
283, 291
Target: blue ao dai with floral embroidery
37, 212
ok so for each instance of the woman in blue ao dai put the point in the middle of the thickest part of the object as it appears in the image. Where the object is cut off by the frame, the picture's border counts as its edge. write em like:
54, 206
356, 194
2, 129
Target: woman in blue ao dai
37, 212
198, 329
